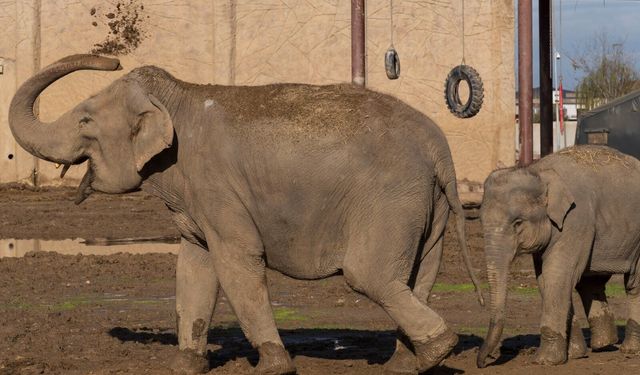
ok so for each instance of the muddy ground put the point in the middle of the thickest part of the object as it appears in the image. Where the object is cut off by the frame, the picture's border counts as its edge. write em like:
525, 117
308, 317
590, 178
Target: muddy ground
115, 314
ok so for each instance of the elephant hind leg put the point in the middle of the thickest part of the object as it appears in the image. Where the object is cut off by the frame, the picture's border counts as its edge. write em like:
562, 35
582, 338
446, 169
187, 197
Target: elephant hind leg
631, 343
601, 319
404, 360
428, 333
377, 265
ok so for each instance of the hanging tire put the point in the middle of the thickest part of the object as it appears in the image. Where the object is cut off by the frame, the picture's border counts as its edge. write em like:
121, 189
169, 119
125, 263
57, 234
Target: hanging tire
392, 63
476, 91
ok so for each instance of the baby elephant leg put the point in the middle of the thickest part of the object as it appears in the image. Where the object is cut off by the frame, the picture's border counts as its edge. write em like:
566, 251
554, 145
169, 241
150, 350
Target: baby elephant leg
631, 343
601, 320
577, 344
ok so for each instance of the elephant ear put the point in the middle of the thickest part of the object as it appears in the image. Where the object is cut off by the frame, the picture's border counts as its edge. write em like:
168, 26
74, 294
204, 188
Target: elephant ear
153, 133
559, 199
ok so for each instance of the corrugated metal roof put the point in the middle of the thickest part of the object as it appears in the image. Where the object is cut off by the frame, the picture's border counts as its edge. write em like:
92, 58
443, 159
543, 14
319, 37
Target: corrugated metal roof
611, 104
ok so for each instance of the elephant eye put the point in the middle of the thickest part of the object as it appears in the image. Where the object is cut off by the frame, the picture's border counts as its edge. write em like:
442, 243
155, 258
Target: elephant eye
85, 120
517, 223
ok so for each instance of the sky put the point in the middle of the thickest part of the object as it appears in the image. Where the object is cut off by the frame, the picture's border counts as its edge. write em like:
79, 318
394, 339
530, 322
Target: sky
581, 20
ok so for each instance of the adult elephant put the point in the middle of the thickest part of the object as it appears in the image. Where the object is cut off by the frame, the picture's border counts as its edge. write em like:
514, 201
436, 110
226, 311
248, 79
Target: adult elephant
307, 180
576, 211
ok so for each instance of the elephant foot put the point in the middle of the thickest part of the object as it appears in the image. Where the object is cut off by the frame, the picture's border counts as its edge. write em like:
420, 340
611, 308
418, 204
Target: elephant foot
274, 360
631, 343
403, 362
553, 348
432, 352
577, 349
603, 331
188, 361
577, 344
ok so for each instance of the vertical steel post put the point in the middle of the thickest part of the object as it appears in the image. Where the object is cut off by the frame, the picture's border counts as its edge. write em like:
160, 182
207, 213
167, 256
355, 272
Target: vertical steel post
546, 83
525, 82
357, 42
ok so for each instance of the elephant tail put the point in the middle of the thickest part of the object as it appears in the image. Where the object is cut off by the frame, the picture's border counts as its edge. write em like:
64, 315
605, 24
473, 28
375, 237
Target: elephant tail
445, 173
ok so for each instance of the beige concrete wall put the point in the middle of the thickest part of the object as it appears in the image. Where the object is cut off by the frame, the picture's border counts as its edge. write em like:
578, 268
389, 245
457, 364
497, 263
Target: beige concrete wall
248, 42
428, 38
18, 40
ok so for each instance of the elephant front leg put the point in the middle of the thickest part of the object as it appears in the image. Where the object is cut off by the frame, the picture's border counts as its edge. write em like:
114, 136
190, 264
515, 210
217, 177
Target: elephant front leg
560, 273
240, 267
553, 348
196, 293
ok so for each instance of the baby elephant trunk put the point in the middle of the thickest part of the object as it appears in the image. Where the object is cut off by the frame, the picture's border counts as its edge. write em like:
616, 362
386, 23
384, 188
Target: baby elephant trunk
499, 253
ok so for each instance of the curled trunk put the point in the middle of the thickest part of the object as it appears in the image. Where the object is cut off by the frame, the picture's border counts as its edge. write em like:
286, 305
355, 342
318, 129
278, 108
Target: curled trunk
499, 252
56, 141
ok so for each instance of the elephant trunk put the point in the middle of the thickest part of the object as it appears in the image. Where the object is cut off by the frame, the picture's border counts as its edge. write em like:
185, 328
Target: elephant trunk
499, 252
56, 141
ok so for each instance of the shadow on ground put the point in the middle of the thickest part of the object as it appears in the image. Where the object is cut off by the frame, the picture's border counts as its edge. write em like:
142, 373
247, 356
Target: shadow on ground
527, 344
376, 347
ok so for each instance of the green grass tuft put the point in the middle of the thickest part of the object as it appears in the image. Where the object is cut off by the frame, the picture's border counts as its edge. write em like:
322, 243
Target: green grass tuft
621, 322
525, 290
615, 290
69, 304
285, 314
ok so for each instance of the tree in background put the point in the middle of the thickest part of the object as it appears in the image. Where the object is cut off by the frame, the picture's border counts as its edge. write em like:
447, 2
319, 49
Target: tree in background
609, 72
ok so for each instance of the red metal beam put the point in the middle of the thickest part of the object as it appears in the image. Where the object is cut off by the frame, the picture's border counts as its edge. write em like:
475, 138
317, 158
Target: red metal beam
525, 82
357, 42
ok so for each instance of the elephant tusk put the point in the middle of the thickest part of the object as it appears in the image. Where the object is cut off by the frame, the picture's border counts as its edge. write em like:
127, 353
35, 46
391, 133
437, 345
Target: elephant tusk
64, 170
57, 165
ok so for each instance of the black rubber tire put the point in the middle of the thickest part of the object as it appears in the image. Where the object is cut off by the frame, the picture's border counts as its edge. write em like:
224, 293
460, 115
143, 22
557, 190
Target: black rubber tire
392, 63
476, 91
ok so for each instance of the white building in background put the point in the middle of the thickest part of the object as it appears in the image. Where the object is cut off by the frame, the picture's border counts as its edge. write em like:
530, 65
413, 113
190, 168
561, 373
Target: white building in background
569, 104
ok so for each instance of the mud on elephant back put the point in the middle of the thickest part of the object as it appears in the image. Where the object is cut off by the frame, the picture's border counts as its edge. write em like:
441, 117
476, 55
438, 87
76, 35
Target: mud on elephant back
307, 180
577, 212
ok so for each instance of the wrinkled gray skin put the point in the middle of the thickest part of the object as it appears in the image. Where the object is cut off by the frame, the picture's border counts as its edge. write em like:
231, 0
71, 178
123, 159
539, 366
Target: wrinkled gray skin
578, 213
274, 176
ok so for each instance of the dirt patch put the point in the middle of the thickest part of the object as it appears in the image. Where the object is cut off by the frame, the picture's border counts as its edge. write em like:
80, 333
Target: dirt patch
62, 314
125, 23
294, 111
50, 214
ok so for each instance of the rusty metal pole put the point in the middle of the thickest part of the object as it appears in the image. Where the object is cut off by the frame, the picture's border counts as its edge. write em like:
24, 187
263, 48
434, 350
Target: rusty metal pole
546, 83
357, 42
525, 82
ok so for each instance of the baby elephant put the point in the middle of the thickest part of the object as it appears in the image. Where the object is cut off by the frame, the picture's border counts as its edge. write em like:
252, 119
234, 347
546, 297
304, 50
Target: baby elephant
578, 213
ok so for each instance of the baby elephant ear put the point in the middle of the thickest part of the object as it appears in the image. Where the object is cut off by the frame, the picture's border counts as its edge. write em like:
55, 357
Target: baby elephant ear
559, 199
154, 132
